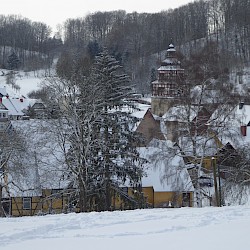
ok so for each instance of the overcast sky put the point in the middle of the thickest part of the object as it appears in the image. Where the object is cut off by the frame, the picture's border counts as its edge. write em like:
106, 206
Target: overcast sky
53, 12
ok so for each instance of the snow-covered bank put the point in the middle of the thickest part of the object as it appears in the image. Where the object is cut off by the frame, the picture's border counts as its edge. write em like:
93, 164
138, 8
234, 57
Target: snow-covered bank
176, 229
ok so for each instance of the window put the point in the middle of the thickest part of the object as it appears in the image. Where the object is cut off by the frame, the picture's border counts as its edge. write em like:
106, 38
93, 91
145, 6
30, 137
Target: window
26, 203
56, 193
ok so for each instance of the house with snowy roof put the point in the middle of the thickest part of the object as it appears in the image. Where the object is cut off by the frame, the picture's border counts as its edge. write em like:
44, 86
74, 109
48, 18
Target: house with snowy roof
3, 92
187, 125
149, 127
169, 115
17, 107
38, 109
167, 182
242, 113
167, 93
33, 181
40, 187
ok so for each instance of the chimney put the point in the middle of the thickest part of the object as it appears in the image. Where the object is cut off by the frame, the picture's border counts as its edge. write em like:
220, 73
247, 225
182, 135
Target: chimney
21, 99
243, 130
241, 104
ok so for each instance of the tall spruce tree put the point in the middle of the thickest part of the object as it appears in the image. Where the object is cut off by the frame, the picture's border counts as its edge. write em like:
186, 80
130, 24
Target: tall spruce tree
13, 61
119, 159
94, 128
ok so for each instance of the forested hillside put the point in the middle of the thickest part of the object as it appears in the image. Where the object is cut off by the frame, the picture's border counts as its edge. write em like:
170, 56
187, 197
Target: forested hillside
31, 42
131, 37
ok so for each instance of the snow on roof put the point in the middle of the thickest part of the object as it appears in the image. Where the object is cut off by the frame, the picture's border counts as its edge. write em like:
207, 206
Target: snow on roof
171, 48
42, 162
170, 61
205, 95
205, 145
162, 174
139, 113
16, 106
233, 134
3, 91
2, 107
181, 113
12, 107
243, 113
142, 109
27, 83
170, 68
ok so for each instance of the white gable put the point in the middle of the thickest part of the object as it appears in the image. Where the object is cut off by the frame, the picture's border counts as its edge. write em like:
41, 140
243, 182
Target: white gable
17, 105
165, 175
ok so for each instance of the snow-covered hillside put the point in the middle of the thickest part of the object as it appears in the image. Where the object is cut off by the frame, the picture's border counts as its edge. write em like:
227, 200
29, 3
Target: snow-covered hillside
225, 228
27, 81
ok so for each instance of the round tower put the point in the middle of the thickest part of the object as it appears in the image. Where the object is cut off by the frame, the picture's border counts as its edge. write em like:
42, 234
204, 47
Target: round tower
167, 90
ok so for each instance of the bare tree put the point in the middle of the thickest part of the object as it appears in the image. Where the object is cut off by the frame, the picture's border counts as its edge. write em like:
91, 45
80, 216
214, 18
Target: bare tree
202, 118
12, 150
94, 132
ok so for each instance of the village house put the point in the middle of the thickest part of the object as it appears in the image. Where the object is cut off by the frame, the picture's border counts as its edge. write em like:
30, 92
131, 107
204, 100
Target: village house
39, 188
170, 178
171, 119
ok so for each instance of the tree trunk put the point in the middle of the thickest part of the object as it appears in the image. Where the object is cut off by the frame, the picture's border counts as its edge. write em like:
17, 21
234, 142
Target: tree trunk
1, 205
198, 188
107, 191
107, 160
82, 197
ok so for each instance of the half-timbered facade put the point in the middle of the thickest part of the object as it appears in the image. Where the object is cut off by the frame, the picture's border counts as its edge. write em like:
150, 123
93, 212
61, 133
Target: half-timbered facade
168, 88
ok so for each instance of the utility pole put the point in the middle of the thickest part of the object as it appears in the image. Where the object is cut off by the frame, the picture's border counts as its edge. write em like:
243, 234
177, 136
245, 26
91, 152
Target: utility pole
1, 206
220, 193
215, 183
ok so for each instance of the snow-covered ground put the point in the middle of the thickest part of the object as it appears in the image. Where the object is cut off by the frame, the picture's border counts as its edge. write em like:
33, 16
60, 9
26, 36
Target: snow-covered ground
225, 228
27, 81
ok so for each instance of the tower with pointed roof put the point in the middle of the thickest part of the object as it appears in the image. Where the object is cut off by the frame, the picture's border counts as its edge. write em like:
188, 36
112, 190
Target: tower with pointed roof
167, 90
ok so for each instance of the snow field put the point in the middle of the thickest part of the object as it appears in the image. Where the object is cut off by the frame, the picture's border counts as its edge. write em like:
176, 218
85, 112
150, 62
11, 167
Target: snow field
176, 229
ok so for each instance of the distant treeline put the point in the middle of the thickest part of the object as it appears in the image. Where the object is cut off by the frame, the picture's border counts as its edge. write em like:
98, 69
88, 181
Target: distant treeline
30, 41
132, 37
142, 34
